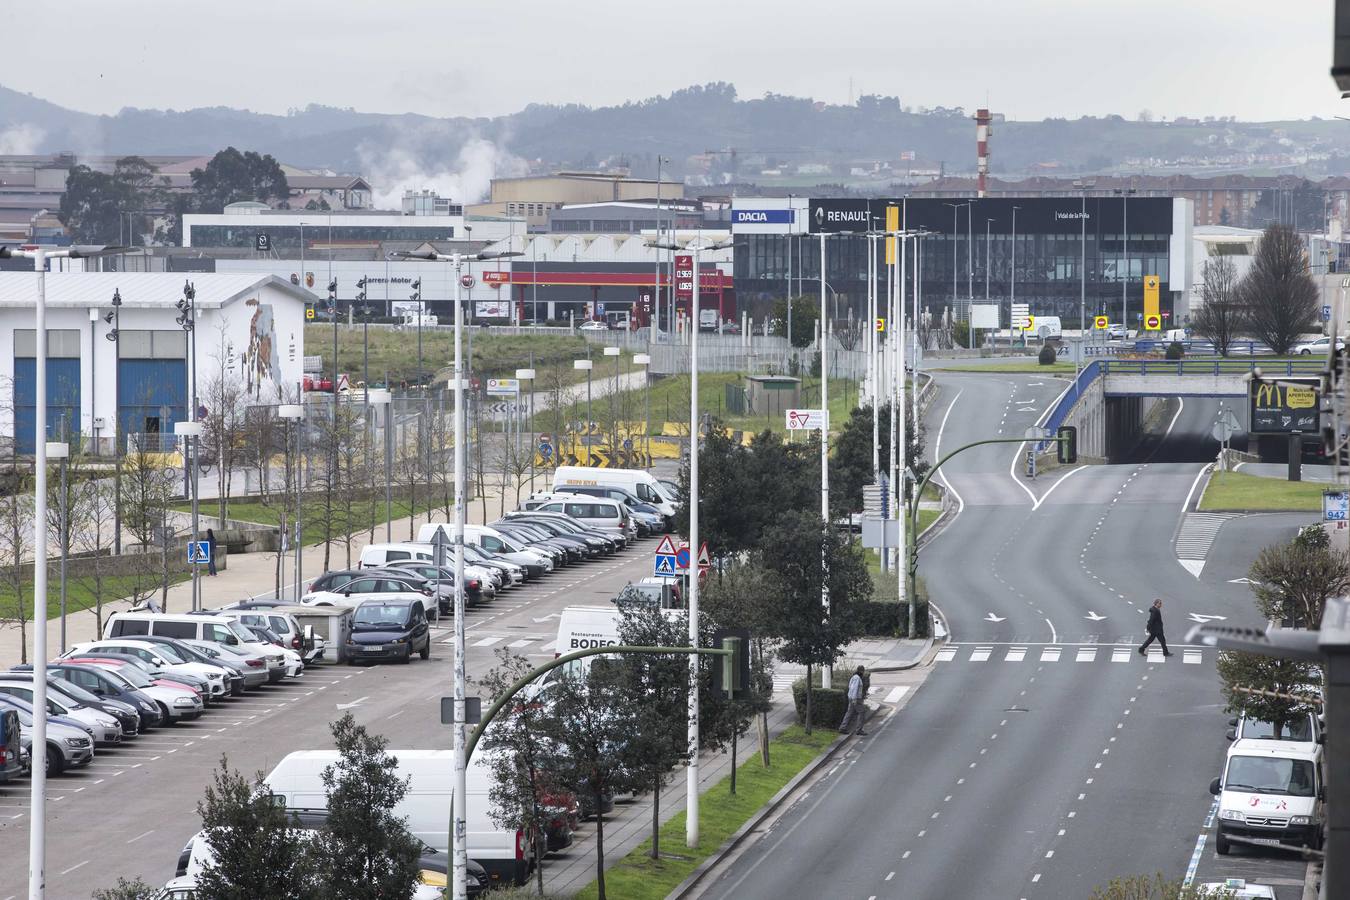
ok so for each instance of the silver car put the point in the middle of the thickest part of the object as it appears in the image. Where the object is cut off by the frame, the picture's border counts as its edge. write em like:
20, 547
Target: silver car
104, 727
68, 747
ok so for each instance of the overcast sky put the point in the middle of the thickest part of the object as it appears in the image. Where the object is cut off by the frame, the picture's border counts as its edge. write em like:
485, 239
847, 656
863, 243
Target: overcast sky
1256, 59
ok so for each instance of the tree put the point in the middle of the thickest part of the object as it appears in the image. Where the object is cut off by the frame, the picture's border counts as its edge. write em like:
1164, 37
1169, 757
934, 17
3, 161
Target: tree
1156, 887
1283, 687
1278, 293
851, 456
16, 541
232, 176
97, 502
742, 596
256, 851
135, 889
226, 423
805, 555
1220, 318
365, 852
95, 204
805, 313
519, 754
1292, 582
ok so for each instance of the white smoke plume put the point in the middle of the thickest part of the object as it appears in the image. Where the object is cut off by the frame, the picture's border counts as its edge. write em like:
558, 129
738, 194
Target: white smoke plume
400, 167
21, 140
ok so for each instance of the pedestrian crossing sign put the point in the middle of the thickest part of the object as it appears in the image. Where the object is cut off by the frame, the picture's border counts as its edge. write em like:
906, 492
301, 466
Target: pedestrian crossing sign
199, 552
665, 566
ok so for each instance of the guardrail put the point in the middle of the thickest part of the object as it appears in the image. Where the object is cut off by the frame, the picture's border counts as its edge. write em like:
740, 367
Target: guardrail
1217, 365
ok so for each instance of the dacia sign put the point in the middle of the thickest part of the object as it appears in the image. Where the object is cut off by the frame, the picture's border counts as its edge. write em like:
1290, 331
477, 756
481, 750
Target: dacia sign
761, 216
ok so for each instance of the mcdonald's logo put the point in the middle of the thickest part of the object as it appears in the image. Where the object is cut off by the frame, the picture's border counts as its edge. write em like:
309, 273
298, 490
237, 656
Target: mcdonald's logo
1268, 396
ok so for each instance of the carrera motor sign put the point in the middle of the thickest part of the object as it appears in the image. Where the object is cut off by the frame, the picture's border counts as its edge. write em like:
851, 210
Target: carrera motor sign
1282, 407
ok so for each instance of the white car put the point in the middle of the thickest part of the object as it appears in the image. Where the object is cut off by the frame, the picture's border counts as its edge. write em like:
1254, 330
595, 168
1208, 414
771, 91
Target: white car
593, 325
271, 656
1319, 347
158, 656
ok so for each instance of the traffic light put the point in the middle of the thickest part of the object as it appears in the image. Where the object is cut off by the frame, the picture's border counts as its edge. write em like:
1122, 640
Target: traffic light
1335, 442
361, 289
731, 674
1066, 441
416, 295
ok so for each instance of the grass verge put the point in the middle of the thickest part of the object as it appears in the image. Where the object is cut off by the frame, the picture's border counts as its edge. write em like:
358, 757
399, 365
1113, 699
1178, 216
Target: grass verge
1029, 367
79, 594
364, 515
639, 877
1237, 490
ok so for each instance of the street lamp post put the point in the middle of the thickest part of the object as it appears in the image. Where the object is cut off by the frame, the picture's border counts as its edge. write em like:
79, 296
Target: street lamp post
61, 450
1124, 194
294, 413
37, 841
644, 360
691, 770
458, 830
1012, 276
585, 365
114, 319
528, 375
187, 320
826, 681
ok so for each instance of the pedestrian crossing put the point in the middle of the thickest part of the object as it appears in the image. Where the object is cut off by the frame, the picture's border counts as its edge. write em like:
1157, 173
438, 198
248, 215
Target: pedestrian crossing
529, 644
1051, 653
1196, 536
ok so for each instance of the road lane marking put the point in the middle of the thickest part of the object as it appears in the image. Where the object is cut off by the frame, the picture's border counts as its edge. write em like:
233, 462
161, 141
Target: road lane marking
1015, 654
981, 654
1054, 635
1191, 657
896, 693
946, 654
1086, 654
139, 836
74, 867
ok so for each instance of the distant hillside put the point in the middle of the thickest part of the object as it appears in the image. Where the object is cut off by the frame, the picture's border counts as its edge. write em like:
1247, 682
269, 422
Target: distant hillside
772, 131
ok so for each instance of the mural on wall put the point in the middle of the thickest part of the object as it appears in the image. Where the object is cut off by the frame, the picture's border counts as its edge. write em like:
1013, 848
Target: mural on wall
262, 358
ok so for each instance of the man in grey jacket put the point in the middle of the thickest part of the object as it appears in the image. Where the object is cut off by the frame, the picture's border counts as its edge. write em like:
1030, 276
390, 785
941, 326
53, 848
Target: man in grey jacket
857, 711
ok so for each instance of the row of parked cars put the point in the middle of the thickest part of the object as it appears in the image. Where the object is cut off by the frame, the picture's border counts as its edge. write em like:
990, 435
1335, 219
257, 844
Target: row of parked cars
149, 670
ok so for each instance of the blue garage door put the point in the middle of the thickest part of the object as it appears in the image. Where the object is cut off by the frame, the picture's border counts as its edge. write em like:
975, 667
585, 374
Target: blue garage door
151, 396
63, 400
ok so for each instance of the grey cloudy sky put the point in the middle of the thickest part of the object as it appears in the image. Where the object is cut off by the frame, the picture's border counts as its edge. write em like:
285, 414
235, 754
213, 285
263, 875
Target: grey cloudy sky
1256, 59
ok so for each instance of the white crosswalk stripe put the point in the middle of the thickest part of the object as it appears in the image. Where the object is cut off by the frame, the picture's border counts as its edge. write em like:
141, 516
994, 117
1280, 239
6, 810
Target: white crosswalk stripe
1059, 653
1197, 534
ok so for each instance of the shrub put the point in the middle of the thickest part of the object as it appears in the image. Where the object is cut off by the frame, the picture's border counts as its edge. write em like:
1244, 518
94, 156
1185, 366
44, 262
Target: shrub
883, 619
1047, 355
1175, 350
828, 705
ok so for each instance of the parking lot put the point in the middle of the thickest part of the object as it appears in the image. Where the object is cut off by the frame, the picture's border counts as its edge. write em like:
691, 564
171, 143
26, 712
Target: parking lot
130, 811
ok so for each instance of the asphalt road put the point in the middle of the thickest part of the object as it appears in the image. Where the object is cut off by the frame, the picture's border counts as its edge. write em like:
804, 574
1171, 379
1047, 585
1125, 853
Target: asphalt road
1044, 755
130, 813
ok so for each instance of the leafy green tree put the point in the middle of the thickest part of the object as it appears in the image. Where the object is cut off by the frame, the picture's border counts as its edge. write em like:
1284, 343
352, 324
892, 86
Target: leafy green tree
232, 176
851, 457
1155, 887
805, 313
95, 205
742, 597
1292, 582
256, 849
366, 852
1279, 295
135, 889
1284, 683
804, 555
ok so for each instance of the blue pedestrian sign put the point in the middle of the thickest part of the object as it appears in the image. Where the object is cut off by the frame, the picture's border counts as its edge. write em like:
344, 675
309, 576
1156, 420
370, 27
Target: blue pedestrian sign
1326, 313
545, 450
628, 443
199, 552
664, 566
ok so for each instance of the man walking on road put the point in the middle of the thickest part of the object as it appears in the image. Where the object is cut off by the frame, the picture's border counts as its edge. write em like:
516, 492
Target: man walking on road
1155, 629
853, 718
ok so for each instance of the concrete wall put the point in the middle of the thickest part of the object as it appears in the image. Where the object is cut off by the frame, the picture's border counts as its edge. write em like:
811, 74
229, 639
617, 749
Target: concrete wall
1109, 427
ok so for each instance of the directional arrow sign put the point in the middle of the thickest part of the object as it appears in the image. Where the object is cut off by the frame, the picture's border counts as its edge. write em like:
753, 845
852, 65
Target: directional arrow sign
993, 618
357, 702
1093, 616
1199, 619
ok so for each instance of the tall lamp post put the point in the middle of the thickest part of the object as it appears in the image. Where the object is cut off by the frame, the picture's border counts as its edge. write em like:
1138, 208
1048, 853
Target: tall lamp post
1012, 276
826, 680
585, 365
528, 375
644, 360
1124, 194
458, 831
61, 450
187, 320
114, 318
37, 829
691, 769
294, 414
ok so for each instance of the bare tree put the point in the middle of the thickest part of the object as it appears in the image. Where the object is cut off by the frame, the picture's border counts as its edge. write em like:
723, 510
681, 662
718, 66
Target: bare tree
226, 423
146, 487
96, 501
849, 332
1278, 293
1219, 319
16, 548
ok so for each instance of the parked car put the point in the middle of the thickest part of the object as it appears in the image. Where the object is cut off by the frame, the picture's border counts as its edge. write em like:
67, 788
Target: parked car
241, 676
127, 716
165, 658
105, 728
593, 325
68, 745
253, 664
283, 623
372, 585
177, 702
1317, 347
107, 686
389, 627
473, 587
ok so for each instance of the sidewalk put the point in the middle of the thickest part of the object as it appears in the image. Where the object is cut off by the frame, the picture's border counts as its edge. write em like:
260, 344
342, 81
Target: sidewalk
248, 575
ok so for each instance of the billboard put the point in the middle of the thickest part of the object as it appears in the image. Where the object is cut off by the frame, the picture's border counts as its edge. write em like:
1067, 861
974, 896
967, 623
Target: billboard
1283, 407
492, 309
761, 216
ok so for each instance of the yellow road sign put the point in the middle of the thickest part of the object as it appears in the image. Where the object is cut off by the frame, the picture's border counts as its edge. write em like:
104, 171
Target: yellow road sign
1151, 295
1152, 323
309, 312
881, 324
1031, 323
1100, 323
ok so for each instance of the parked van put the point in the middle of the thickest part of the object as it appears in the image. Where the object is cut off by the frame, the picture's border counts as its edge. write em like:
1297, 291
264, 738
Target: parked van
377, 556
1048, 327
584, 627
609, 517
495, 543
638, 482
218, 629
297, 784
1271, 792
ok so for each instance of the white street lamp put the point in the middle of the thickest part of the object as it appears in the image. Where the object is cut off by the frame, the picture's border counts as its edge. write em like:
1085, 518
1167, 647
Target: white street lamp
528, 375
459, 830
645, 360
295, 412
691, 769
585, 365
37, 841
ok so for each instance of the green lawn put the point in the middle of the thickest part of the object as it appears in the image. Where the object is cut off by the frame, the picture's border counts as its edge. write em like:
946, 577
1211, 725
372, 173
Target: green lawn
1236, 490
79, 594
639, 877
1019, 367
670, 402
363, 514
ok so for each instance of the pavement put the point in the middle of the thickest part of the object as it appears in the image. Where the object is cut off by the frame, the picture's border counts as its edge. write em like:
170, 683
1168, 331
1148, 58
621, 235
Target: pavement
1043, 755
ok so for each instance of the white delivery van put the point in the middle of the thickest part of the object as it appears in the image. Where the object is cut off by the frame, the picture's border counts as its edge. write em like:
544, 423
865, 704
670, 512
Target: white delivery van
377, 556
1048, 327
495, 543
1270, 793
583, 627
297, 783
638, 482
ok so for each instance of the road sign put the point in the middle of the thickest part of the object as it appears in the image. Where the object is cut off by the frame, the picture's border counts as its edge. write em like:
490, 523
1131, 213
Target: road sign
664, 566
806, 419
704, 559
545, 449
666, 547
1031, 324
1225, 426
199, 552
1152, 323
309, 312
881, 324
628, 443
1326, 313
503, 387
344, 383
1100, 323
1020, 311
682, 558
1335, 506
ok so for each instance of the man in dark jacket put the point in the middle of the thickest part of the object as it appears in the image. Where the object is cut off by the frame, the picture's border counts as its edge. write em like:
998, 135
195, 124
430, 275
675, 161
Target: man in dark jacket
1155, 629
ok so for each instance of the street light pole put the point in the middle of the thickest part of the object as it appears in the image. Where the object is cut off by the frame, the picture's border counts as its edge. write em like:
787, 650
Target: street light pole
61, 450
826, 680
292, 413
458, 830
584, 365
644, 360
1012, 276
187, 320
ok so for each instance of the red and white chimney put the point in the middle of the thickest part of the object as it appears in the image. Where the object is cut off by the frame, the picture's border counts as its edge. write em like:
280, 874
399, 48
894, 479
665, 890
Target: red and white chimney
982, 120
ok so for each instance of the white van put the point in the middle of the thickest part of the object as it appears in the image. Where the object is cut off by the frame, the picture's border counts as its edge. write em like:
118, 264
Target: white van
638, 482
1048, 327
377, 556
584, 627
1271, 793
297, 783
494, 542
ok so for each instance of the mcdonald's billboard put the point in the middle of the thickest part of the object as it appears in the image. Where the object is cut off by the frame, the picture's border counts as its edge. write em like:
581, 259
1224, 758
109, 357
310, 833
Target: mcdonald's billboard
1282, 407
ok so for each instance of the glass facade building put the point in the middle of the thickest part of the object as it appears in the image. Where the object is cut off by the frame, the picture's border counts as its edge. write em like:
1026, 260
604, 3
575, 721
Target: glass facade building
1067, 250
